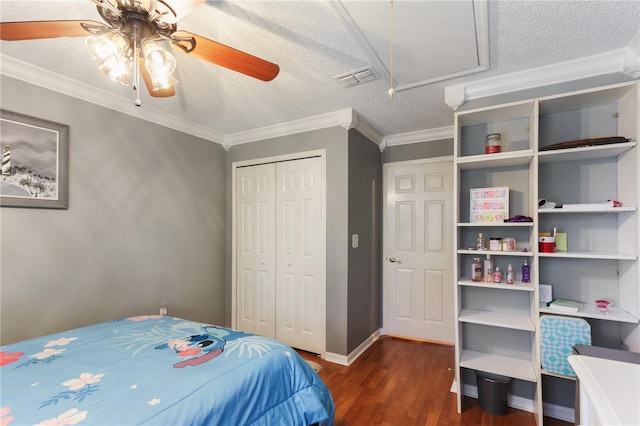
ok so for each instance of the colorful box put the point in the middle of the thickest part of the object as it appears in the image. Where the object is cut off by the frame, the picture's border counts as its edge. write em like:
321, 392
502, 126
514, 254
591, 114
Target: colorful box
489, 204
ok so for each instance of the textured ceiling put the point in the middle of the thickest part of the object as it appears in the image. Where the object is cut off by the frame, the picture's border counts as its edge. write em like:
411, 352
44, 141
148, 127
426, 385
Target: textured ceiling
312, 44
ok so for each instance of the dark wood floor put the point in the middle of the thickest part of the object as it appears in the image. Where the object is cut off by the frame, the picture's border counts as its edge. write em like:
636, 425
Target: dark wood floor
403, 382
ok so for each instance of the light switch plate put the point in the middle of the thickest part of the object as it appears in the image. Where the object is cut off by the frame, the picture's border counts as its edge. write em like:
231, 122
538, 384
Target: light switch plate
354, 241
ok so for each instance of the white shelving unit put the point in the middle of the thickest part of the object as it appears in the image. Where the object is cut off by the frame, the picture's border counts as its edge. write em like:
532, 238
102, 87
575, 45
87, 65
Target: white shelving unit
497, 323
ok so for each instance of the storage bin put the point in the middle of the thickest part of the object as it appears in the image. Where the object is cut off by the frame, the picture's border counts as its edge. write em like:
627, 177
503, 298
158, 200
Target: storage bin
493, 390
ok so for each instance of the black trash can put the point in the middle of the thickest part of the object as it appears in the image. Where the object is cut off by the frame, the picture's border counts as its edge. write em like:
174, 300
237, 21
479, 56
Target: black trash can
492, 392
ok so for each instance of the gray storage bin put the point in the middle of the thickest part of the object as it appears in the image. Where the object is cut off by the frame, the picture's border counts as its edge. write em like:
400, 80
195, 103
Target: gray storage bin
492, 392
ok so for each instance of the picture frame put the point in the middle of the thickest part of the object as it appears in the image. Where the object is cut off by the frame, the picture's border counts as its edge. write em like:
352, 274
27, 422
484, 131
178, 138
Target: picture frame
489, 204
35, 162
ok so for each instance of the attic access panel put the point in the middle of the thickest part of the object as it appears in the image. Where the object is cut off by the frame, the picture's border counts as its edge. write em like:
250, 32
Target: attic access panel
432, 40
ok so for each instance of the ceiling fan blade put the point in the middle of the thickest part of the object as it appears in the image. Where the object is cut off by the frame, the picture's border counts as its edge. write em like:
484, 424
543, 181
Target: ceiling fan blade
32, 30
160, 93
180, 8
228, 57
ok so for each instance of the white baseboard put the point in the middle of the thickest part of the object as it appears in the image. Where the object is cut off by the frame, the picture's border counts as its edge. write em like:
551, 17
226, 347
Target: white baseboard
551, 410
355, 354
559, 412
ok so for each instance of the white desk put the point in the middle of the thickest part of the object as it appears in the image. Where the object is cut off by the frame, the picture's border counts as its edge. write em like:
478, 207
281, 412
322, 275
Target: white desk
609, 391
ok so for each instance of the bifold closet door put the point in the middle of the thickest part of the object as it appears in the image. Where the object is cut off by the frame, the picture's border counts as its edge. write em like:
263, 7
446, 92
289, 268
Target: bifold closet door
299, 287
255, 248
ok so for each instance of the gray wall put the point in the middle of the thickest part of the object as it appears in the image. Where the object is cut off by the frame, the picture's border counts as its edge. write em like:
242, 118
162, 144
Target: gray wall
365, 284
415, 151
145, 225
335, 141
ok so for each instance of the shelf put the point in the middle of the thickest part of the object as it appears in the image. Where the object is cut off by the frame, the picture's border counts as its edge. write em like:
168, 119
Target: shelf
507, 112
584, 98
497, 253
495, 224
498, 364
517, 286
561, 376
502, 159
609, 210
590, 311
589, 255
498, 326
584, 153
497, 319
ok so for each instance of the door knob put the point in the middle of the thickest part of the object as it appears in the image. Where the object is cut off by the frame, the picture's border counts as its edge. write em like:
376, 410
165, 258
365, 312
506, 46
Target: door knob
394, 260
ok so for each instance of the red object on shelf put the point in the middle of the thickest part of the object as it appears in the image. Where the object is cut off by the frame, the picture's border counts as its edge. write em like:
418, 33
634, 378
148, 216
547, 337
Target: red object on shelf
546, 244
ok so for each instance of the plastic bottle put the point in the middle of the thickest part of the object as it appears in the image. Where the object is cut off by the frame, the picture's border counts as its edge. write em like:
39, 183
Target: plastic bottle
497, 275
488, 269
526, 272
480, 244
476, 270
509, 274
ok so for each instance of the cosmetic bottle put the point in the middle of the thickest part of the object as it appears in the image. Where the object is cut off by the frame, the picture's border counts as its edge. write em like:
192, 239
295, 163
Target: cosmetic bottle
509, 274
480, 244
497, 275
476, 270
526, 272
488, 269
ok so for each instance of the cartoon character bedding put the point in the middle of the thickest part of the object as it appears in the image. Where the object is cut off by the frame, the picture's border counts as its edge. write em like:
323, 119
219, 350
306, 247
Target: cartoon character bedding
162, 371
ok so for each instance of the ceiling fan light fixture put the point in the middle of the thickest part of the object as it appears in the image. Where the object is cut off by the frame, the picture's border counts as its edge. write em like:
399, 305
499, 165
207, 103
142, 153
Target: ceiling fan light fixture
118, 69
136, 40
160, 82
111, 50
106, 45
157, 60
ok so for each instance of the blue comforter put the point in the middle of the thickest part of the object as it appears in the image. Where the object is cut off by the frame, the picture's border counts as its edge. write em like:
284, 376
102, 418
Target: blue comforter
159, 371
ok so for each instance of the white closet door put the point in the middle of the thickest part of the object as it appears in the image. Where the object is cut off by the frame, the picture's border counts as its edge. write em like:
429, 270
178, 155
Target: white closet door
299, 283
255, 310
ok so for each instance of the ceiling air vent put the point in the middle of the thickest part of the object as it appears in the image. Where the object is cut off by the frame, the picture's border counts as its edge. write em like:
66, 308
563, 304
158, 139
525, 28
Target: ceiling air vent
359, 76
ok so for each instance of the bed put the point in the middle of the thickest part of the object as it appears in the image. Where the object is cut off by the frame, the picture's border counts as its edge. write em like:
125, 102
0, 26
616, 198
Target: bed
159, 370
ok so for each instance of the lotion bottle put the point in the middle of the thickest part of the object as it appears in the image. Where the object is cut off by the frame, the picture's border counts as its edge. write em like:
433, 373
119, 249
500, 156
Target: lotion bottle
509, 274
526, 272
488, 269
497, 275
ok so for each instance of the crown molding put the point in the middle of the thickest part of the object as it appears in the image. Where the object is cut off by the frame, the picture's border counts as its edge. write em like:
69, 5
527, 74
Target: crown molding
615, 61
32, 74
419, 136
632, 57
370, 132
345, 118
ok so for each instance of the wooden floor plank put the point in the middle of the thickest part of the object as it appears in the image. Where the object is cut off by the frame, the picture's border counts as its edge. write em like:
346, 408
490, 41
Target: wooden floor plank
403, 382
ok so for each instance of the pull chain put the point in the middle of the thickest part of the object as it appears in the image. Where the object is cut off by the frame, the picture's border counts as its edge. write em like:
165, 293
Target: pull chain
392, 91
136, 67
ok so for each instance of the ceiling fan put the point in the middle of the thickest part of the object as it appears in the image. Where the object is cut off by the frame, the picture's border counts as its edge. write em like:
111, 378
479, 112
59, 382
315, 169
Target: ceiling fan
133, 42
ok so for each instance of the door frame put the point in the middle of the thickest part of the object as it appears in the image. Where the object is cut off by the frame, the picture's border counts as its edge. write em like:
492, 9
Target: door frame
322, 273
385, 171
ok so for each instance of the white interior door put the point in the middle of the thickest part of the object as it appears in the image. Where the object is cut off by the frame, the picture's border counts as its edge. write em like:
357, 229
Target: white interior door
300, 310
255, 259
418, 266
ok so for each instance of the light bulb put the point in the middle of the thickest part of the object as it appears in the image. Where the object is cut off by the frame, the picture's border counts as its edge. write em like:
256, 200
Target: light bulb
112, 51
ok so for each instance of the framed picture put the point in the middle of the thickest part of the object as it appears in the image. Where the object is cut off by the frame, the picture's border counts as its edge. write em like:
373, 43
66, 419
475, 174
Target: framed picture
489, 204
35, 162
